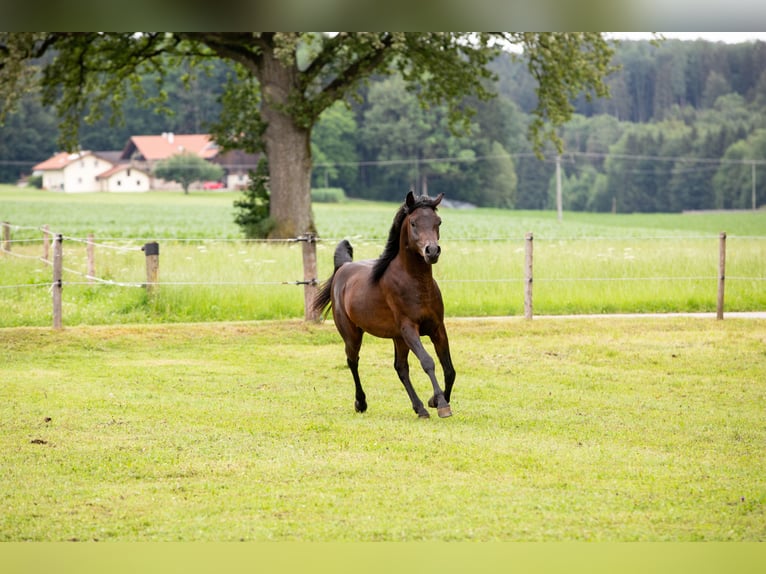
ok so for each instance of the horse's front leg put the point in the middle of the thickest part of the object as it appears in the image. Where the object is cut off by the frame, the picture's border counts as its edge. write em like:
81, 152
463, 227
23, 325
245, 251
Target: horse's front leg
412, 337
441, 345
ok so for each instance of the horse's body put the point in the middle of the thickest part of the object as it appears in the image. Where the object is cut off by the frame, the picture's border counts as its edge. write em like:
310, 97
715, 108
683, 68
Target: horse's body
395, 297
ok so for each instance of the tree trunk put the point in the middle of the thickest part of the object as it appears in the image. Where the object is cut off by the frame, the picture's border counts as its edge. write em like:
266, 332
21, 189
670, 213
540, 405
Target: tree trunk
289, 178
288, 147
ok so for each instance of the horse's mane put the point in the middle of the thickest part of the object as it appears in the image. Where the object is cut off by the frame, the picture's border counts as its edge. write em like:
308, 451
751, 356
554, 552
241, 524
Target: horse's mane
392, 245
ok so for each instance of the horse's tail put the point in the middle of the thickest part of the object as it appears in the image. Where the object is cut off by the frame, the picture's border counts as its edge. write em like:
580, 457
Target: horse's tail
344, 253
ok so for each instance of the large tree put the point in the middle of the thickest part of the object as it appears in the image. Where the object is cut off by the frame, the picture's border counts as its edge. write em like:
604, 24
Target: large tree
288, 78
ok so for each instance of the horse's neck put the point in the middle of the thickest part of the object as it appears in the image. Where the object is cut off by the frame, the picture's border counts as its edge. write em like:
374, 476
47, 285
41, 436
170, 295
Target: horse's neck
415, 266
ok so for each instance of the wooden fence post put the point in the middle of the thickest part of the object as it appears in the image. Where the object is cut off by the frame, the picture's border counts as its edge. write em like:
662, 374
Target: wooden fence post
46, 243
57, 286
721, 274
6, 236
91, 259
528, 276
152, 252
309, 276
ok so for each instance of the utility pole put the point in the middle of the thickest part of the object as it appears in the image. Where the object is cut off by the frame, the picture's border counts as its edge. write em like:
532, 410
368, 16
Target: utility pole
752, 173
559, 203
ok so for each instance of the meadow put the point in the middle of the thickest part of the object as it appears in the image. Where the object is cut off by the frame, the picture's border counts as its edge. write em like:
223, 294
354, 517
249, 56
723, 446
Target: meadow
180, 417
563, 430
589, 263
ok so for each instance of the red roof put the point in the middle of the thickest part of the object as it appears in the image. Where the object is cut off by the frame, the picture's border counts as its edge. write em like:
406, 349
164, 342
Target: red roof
154, 148
59, 161
149, 148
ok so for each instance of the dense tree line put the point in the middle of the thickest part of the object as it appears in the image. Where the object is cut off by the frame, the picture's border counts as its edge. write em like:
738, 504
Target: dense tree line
685, 128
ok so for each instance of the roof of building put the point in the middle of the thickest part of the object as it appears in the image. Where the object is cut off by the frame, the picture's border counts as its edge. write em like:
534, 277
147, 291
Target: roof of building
60, 160
118, 168
110, 156
150, 149
153, 148
63, 159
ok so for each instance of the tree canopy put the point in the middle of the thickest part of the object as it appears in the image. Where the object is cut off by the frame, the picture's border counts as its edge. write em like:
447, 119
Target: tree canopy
186, 168
716, 159
286, 80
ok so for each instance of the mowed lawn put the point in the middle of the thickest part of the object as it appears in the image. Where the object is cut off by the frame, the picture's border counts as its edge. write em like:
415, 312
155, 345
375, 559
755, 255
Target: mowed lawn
611, 429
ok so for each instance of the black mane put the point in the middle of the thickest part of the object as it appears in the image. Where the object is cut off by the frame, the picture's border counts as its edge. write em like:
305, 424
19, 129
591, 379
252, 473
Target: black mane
392, 245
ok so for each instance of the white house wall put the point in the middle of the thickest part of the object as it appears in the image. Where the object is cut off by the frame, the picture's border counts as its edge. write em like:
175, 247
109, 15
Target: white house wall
53, 180
80, 175
121, 182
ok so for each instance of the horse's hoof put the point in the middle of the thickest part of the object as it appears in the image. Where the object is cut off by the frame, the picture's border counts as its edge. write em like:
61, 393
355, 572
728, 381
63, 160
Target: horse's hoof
444, 412
360, 408
432, 402
424, 414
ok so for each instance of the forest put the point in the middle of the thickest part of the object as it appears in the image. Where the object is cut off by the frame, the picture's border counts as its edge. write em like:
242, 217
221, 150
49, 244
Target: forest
684, 129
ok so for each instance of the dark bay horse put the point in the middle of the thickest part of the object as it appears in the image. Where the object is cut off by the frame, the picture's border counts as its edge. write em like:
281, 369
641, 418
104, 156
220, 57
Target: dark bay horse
395, 297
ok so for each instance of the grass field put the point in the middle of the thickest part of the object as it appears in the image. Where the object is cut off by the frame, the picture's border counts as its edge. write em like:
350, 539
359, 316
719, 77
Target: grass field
590, 263
127, 427
600, 430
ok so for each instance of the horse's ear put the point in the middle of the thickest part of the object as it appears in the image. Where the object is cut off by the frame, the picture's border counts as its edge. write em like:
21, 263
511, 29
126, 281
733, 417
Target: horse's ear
410, 200
437, 200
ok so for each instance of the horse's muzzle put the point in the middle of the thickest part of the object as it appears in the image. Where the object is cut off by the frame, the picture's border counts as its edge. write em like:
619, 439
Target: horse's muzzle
431, 253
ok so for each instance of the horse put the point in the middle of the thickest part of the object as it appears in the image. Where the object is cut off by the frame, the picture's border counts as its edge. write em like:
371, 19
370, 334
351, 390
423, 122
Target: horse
394, 297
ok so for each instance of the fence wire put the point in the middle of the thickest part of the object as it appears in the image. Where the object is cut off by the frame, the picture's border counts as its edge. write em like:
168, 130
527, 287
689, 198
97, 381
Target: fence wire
107, 243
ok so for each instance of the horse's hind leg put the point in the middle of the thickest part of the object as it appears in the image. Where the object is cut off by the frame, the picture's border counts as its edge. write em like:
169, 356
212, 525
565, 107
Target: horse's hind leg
401, 350
353, 344
360, 401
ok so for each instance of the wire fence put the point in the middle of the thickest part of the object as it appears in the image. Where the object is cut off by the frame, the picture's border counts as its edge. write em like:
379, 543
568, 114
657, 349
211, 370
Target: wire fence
108, 243
525, 275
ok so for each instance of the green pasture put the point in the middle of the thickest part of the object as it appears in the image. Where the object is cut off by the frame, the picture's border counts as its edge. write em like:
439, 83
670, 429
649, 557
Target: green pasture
589, 263
171, 215
598, 430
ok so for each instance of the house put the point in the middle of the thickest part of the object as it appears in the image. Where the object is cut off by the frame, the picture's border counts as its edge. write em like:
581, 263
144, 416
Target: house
236, 166
148, 150
84, 171
130, 169
124, 177
151, 149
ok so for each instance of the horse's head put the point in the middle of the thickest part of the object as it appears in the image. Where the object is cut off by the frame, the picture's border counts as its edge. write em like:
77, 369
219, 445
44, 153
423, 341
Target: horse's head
422, 226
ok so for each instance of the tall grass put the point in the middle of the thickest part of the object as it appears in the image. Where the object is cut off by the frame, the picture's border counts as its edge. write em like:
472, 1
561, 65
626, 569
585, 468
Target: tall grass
587, 264
602, 275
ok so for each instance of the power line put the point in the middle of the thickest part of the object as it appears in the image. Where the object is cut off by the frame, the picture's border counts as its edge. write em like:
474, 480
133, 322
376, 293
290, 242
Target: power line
519, 155
547, 158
